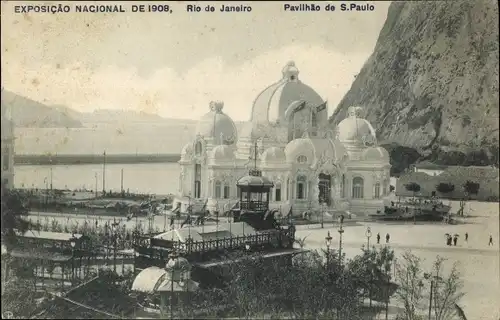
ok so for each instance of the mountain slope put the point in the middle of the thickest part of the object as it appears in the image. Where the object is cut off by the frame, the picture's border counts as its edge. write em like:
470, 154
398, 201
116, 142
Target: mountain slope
432, 81
29, 113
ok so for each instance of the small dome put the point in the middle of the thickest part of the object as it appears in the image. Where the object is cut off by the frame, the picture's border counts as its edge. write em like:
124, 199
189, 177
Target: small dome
272, 102
255, 181
376, 154
217, 125
273, 154
302, 147
222, 153
178, 264
356, 130
187, 151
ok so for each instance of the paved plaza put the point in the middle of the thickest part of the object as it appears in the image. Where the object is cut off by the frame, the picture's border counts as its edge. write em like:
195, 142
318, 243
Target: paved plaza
478, 262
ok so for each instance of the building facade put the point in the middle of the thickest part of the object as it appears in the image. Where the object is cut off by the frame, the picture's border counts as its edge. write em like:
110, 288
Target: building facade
7, 149
313, 166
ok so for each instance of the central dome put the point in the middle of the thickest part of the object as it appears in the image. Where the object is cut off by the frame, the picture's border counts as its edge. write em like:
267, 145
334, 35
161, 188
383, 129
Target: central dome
217, 125
271, 104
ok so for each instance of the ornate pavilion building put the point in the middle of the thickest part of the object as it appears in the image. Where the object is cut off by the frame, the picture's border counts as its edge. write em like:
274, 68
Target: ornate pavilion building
313, 166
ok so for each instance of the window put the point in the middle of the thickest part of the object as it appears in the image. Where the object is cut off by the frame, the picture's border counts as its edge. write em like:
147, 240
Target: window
5, 163
301, 187
226, 192
217, 189
357, 188
198, 148
342, 187
288, 189
314, 120
384, 190
377, 190
197, 181
277, 192
302, 159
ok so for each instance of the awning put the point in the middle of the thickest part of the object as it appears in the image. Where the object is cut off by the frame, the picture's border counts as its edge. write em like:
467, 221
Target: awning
51, 256
288, 252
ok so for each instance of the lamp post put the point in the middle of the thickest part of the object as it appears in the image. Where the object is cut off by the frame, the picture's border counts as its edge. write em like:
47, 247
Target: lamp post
114, 235
328, 242
72, 242
341, 231
368, 234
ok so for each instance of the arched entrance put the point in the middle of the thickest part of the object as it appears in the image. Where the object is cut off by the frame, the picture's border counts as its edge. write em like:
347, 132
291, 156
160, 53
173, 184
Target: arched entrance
325, 185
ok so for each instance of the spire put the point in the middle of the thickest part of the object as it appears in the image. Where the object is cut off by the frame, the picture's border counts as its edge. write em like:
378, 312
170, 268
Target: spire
255, 172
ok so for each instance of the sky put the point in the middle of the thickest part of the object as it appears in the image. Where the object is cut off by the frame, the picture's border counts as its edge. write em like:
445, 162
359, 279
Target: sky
174, 64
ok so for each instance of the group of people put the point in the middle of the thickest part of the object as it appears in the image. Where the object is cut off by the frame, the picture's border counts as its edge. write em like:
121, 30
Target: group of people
387, 238
453, 240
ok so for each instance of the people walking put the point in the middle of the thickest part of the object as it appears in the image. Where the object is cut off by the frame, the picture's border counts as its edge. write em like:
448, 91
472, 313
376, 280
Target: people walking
448, 240
455, 240
378, 238
387, 238
490, 243
466, 237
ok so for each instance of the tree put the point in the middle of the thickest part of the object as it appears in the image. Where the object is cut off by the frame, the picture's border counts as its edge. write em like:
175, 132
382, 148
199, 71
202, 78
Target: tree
409, 275
14, 213
445, 188
446, 291
412, 187
414, 284
471, 187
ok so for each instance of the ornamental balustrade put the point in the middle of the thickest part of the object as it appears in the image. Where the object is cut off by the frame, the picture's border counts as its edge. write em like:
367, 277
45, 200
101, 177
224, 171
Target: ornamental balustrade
276, 239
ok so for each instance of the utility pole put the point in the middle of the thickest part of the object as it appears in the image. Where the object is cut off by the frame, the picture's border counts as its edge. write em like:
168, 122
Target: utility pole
121, 188
104, 172
95, 185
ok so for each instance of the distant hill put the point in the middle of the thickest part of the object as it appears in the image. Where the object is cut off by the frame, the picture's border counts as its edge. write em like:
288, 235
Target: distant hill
431, 84
120, 116
32, 114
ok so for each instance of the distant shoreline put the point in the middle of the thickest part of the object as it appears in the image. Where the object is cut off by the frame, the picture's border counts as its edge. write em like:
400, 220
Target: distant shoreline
80, 159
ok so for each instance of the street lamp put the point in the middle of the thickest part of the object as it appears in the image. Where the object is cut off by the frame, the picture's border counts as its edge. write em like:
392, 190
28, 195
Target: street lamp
72, 242
328, 242
136, 255
114, 234
368, 235
341, 231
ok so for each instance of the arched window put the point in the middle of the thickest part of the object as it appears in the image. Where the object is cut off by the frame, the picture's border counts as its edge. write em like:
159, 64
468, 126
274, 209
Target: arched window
314, 120
217, 189
377, 191
342, 187
357, 188
198, 148
277, 192
301, 187
301, 159
226, 191
288, 189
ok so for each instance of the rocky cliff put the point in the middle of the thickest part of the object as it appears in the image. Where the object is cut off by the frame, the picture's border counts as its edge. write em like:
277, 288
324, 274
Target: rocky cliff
431, 83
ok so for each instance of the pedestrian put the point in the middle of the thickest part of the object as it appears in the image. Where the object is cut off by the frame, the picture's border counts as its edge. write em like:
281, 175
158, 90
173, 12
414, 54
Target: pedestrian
448, 240
466, 237
378, 238
455, 239
490, 243
387, 238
